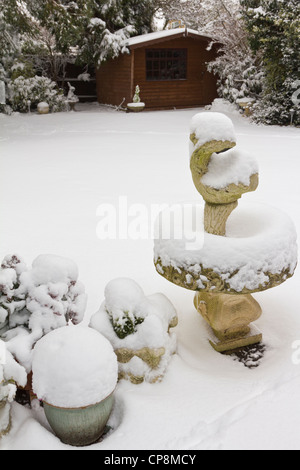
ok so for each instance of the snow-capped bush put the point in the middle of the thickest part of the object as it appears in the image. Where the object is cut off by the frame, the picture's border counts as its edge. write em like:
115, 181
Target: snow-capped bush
25, 92
124, 306
11, 373
21, 68
238, 77
274, 36
35, 301
138, 328
276, 107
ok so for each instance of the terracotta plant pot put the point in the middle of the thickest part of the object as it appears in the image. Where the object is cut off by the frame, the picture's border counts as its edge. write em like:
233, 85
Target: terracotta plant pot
79, 426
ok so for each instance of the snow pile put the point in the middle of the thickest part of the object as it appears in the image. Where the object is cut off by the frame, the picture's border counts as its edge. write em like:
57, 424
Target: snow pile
220, 105
35, 301
233, 166
260, 241
130, 319
85, 77
73, 367
140, 104
211, 126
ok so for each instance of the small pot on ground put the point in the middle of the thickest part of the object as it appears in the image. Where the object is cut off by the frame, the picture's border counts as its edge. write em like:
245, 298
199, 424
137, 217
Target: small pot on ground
135, 107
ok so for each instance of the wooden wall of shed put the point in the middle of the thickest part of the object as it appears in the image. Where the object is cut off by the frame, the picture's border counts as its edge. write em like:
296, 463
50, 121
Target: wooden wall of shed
200, 87
114, 81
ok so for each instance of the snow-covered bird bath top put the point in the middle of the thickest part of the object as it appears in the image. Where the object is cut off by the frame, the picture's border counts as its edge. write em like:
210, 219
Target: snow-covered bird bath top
258, 249
246, 250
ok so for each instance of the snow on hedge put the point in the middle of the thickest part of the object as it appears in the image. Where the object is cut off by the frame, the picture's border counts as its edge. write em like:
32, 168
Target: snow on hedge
35, 301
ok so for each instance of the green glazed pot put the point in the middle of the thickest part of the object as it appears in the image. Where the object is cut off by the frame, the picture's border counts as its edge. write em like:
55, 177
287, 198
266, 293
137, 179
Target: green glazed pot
79, 426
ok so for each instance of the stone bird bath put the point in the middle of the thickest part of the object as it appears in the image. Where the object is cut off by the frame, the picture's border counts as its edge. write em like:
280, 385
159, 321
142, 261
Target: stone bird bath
243, 249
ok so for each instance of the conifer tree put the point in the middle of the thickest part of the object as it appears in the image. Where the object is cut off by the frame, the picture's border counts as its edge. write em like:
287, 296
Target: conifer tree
274, 34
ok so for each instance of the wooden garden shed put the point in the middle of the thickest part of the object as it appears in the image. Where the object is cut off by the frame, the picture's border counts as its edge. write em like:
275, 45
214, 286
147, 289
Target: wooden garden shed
169, 66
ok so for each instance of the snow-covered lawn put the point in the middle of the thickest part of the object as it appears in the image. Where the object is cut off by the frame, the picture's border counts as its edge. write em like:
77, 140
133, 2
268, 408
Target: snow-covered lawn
56, 170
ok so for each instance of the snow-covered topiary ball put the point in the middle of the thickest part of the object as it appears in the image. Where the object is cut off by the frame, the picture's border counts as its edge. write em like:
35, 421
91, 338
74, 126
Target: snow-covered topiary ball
74, 367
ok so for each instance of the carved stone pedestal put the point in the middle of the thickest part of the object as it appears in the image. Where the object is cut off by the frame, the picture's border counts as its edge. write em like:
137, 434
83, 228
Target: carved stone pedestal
150, 356
229, 317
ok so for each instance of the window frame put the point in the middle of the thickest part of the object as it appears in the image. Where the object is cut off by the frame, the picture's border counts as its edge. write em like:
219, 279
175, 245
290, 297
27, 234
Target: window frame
158, 60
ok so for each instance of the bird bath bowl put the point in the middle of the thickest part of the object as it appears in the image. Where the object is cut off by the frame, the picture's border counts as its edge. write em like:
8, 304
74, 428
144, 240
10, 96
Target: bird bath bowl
225, 252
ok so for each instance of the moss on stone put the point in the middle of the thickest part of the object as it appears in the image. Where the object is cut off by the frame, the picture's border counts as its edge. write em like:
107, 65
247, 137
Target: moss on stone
214, 282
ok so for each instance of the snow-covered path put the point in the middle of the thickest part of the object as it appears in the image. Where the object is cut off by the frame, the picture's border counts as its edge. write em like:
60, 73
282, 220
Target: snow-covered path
56, 170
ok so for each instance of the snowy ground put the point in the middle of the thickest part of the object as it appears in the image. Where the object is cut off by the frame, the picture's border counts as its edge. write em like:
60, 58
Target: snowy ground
56, 170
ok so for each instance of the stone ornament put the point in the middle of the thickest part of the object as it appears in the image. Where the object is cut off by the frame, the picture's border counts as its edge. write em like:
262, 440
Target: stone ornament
139, 327
43, 108
243, 250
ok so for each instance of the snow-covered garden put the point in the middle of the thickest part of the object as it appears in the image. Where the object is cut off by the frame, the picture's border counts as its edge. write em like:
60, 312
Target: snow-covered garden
60, 173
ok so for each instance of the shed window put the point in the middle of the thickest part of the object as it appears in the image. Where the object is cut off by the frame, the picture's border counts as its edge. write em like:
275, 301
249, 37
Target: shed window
166, 64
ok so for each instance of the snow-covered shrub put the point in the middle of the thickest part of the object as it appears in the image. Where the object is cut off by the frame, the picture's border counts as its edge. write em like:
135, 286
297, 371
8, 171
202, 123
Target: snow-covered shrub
275, 107
25, 92
124, 307
11, 374
138, 328
238, 77
37, 300
21, 68
12, 297
274, 35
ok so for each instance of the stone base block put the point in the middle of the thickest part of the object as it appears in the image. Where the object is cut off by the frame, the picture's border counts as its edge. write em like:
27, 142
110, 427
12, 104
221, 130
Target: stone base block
254, 336
229, 318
